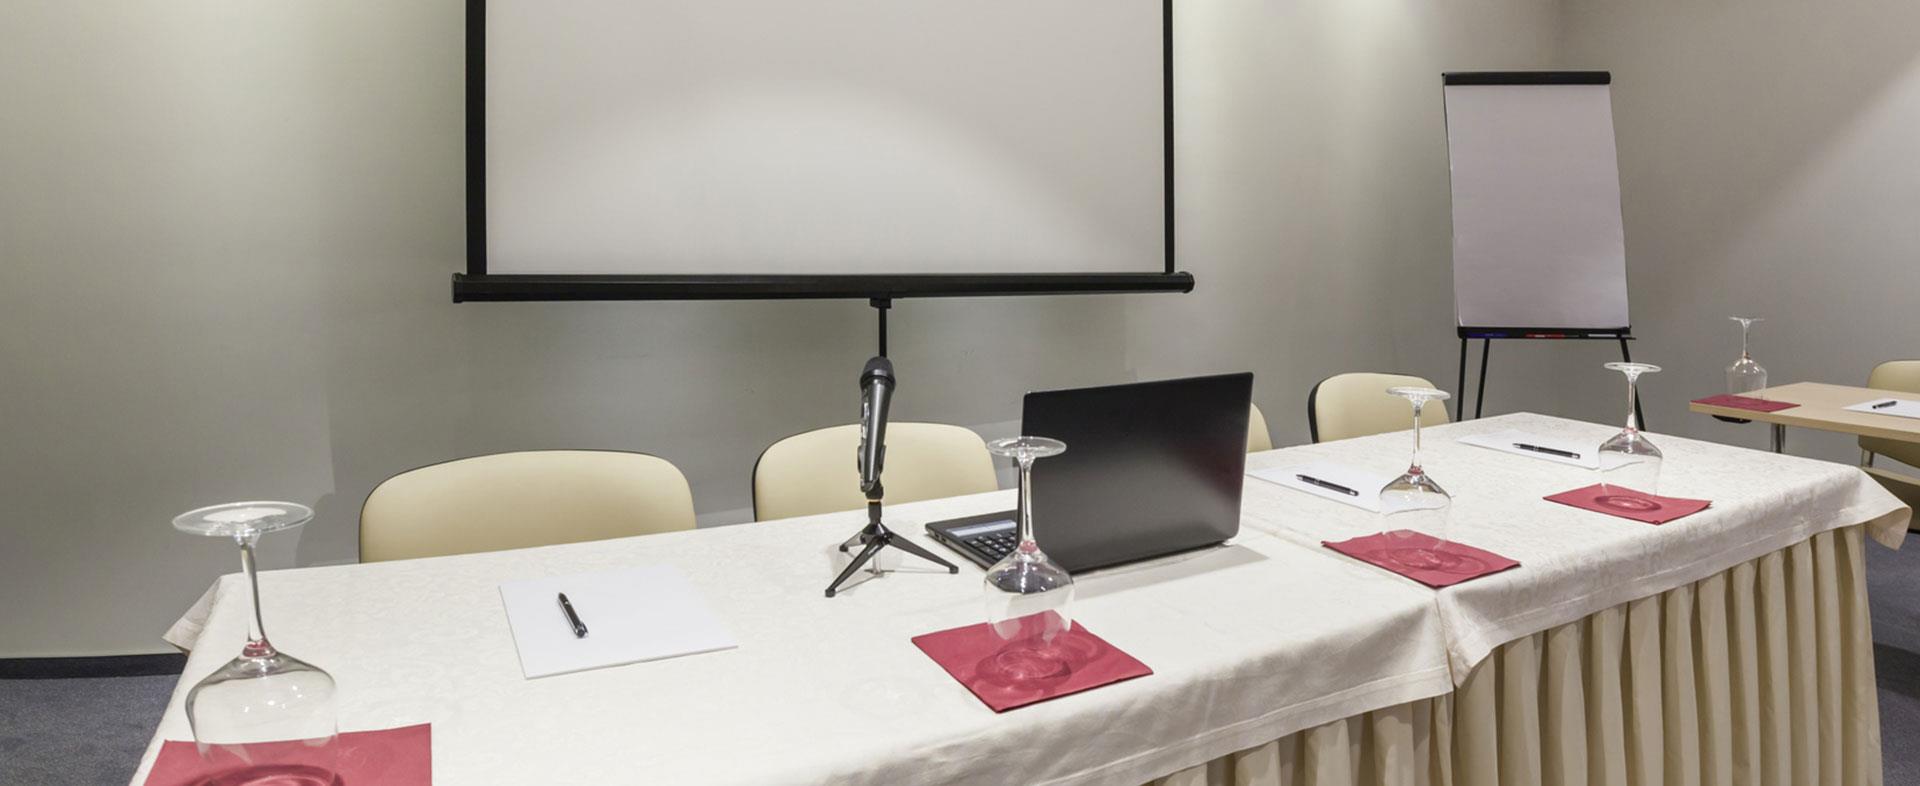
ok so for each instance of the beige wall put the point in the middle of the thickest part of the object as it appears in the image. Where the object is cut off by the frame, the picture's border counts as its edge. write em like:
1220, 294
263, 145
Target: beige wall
226, 229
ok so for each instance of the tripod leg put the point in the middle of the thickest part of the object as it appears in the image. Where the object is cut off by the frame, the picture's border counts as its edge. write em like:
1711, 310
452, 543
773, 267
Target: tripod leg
873, 547
850, 541
913, 548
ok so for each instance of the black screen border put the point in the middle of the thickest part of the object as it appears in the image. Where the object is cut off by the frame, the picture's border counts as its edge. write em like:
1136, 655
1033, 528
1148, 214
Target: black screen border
476, 284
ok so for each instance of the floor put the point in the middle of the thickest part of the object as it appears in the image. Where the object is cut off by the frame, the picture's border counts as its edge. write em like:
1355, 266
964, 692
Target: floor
1893, 587
84, 732
93, 731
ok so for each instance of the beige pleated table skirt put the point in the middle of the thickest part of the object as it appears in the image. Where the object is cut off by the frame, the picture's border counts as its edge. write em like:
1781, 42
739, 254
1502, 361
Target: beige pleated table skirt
1761, 674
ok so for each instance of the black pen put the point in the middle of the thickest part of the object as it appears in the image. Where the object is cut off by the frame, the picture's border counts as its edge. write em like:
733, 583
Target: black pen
1888, 403
579, 628
1549, 451
1309, 479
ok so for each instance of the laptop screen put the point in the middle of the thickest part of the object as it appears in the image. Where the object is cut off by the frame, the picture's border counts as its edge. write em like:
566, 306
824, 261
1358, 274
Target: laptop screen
1151, 468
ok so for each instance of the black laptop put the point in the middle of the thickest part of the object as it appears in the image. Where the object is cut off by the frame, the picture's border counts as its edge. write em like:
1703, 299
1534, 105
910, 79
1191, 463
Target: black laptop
1151, 468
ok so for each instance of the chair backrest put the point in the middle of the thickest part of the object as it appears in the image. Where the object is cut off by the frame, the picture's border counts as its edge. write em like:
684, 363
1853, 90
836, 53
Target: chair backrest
1345, 406
1257, 437
522, 499
818, 471
1902, 376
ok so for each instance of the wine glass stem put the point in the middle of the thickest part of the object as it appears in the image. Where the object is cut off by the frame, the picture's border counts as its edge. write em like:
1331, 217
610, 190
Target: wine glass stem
1417, 405
1026, 499
257, 645
1744, 328
1633, 412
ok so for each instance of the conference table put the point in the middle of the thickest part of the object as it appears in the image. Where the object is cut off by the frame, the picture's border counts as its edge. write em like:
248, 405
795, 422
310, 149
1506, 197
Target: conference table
1728, 643
1822, 407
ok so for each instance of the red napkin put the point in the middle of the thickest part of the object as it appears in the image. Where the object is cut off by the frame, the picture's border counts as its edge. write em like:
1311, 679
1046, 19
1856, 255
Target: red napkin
1744, 402
1072, 662
380, 757
1413, 555
1629, 504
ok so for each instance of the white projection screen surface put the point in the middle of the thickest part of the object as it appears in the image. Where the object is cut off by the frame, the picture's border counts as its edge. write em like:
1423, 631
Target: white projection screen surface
827, 138
1537, 236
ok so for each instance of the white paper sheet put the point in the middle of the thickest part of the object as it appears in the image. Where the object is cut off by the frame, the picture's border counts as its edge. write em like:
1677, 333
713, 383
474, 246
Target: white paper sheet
1538, 240
1504, 442
1902, 408
632, 615
1367, 483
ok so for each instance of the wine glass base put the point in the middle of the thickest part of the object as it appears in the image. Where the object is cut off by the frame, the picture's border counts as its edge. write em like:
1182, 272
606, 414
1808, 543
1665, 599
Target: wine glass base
1025, 663
1034, 663
1435, 560
1627, 502
274, 775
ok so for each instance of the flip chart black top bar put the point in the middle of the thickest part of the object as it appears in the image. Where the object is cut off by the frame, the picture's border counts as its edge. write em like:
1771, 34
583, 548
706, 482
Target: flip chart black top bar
1466, 331
1528, 78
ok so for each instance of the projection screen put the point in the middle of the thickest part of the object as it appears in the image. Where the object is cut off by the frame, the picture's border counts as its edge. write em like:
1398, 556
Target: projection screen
841, 148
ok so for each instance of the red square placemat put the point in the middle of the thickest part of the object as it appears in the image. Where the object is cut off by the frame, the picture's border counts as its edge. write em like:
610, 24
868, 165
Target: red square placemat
1399, 551
1744, 402
380, 757
1629, 504
969, 654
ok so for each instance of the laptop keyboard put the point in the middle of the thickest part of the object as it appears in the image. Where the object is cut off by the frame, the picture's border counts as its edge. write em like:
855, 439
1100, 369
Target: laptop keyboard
996, 545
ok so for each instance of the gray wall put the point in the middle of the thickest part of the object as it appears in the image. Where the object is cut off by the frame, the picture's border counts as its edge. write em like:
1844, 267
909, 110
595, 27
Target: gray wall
226, 229
1770, 166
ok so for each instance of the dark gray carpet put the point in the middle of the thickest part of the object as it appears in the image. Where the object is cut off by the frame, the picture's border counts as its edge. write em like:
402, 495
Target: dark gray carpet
85, 732
1893, 588
92, 731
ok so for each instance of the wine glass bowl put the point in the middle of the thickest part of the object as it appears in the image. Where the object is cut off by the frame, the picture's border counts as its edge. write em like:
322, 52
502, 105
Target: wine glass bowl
1414, 503
268, 715
1628, 459
1028, 596
1745, 375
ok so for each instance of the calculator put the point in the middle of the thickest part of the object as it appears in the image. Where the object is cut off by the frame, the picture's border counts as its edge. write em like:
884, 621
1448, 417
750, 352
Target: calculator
985, 539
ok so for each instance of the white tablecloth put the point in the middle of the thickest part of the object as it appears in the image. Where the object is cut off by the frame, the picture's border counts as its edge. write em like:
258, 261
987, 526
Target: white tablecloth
1575, 562
1248, 643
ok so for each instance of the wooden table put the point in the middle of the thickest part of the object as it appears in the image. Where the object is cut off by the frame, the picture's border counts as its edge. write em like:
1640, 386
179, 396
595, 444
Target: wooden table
1822, 407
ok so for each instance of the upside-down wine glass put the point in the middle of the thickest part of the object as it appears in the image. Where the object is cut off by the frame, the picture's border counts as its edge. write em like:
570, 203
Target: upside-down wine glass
1029, 596
1628, 459
1745, 375
1413, 503
264, 696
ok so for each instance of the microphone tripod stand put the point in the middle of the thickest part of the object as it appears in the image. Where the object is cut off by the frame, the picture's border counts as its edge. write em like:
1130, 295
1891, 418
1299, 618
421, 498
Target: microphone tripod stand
875, 537
876, 385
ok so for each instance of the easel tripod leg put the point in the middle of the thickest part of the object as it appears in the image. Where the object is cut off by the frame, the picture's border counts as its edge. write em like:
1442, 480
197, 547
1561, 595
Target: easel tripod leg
1460, 386
1480, 396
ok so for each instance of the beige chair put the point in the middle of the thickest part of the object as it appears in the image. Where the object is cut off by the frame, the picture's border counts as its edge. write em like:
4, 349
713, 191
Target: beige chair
817, 472
1257, 437
1902, 376
1345, 406
518, 500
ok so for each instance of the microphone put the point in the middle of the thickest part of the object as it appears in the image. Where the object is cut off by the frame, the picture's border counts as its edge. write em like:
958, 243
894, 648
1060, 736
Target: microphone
876, 393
